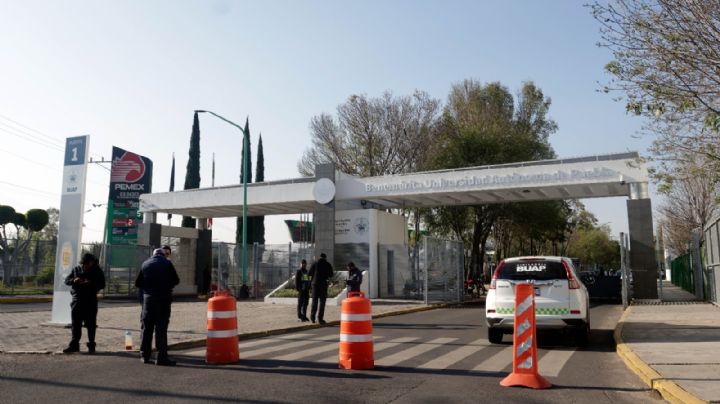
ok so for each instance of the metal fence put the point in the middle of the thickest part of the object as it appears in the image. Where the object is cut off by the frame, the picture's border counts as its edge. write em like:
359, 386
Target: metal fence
432, 273
398, 278
442, 269
268, 266
681, 272
33, 271
712, 258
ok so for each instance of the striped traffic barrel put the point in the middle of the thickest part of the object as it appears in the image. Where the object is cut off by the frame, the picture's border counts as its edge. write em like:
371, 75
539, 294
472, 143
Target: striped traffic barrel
222, 336
356, 340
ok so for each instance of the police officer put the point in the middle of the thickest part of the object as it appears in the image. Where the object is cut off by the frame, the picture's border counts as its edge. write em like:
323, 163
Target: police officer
86, 280
157, 279
302, 285
354, 279
320, 273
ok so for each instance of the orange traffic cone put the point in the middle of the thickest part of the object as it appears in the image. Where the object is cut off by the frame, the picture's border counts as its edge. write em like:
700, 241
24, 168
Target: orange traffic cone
525, 369
222, 336
356, 340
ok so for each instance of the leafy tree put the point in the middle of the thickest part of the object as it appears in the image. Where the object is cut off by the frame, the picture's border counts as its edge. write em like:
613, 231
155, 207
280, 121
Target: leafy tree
666, 64
25, 226
372, 136
690, 203
594, 247
484, 125
50, 232
192, 173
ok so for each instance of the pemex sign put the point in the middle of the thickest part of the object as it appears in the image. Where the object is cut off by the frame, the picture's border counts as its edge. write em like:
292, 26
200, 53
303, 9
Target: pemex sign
130, 177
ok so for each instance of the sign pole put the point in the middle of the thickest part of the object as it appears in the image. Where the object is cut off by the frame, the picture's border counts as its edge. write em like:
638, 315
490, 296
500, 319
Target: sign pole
72, 202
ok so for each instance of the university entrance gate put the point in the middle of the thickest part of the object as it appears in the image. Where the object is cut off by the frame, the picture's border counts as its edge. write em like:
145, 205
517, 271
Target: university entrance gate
331, 194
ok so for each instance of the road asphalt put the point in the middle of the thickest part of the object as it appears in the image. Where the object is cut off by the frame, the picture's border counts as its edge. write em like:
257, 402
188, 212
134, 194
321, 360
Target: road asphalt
672, 344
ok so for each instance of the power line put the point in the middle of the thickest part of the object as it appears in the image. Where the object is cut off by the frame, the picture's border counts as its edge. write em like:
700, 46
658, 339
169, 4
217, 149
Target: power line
28, 188
31, 136
51, 138
49, 146
28, 160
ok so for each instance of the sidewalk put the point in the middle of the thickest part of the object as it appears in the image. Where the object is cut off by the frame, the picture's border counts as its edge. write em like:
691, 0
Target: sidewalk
673, 345
29, 332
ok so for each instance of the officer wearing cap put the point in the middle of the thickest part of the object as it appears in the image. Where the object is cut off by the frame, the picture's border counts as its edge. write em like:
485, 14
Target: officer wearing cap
157, 278
320, 273
86, 280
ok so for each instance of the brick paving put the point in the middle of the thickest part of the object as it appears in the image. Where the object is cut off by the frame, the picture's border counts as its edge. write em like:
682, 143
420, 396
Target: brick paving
30, 332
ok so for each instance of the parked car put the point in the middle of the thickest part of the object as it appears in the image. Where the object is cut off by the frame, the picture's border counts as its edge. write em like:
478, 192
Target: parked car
561, 300
606, 285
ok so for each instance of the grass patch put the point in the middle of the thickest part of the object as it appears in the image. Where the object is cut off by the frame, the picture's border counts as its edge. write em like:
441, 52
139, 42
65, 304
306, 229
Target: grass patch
333, 290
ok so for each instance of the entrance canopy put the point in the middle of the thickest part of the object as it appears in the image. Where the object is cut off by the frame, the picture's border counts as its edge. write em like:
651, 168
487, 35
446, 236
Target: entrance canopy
574, 178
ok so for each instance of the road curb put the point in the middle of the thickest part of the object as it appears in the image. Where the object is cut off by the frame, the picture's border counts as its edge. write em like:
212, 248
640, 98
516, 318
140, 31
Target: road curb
668, 389
15, 300
280, 331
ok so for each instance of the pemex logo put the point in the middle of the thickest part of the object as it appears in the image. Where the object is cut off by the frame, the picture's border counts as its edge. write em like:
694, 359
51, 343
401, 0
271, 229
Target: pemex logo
128, 168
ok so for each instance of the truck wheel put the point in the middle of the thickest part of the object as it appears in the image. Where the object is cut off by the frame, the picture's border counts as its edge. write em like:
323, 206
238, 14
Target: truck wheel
582, 335
495, 335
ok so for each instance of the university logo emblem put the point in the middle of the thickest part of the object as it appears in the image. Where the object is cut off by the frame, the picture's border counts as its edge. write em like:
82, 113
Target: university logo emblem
361, 225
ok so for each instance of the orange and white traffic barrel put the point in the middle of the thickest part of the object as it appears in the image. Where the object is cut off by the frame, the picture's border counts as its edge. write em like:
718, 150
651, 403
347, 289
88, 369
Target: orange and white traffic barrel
222, 335
356, 340
525, 366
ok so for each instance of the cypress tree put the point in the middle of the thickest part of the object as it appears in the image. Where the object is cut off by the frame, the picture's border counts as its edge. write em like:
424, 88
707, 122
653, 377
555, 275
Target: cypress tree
259, 225
239, 227
192, 173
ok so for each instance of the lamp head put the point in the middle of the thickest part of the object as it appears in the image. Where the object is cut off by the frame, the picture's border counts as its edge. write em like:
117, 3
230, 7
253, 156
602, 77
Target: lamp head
200, 111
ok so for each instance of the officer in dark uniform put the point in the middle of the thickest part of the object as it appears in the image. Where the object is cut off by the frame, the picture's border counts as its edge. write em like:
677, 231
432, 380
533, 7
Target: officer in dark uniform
320, 273
354, 279
302, 285
157, 278
86, 280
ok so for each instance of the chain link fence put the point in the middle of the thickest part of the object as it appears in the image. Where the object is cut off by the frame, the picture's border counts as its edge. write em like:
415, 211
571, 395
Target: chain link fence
33, 271
442, 263
712, 258
268, 266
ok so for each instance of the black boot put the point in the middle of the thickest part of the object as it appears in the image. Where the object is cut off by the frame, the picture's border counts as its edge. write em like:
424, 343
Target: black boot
91, 348
72, 348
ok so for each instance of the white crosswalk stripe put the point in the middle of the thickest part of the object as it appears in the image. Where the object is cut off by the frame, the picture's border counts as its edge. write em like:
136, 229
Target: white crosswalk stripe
288, 345
452, 357
377, 348
412, 352
255, 342
264, 341
497, 362
552, 362
310, 352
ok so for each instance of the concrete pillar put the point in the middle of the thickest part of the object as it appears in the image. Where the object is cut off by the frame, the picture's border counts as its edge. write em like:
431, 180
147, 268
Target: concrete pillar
642, 248
149, 234
324, 217
203, 260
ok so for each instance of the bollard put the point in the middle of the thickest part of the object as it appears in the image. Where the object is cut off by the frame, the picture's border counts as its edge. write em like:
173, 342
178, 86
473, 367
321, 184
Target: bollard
356, 340
222, 336
525, 369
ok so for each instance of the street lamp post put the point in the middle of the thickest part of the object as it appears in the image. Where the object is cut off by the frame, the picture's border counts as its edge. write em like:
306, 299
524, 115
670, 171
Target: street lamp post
246, 146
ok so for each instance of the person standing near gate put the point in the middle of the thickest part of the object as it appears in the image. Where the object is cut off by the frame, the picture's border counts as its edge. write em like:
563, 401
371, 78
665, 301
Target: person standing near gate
302, 285
86, 280
157, 278
354, 277
320, 273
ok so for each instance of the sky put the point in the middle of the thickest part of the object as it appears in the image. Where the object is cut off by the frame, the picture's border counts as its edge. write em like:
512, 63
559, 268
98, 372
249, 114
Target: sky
131, 73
